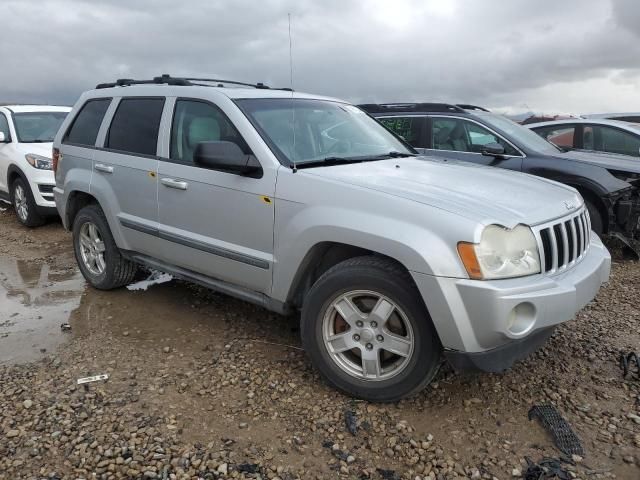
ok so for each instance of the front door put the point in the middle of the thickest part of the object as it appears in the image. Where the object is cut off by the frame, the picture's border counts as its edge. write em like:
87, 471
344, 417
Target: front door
459, 138
211, 222
5, 153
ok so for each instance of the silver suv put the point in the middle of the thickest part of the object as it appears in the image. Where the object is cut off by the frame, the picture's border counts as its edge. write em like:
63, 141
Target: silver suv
299, 202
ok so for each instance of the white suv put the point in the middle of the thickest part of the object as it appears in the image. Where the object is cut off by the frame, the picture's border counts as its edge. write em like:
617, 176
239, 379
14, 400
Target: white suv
26, 175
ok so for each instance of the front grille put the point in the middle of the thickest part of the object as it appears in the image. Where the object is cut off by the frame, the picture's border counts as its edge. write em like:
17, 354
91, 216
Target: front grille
563, 242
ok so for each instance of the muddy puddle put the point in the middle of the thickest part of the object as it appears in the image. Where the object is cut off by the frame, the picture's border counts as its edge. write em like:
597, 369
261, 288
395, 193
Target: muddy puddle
35, 299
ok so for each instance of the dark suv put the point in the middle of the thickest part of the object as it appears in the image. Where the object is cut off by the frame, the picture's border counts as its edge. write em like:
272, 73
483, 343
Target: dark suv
610, 184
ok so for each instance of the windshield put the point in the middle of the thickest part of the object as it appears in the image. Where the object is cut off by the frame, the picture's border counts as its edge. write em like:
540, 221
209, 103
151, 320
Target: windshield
302, 131
520, 135
37, 127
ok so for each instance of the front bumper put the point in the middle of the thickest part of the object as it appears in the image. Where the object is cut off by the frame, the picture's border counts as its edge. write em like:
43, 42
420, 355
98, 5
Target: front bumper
473, 316
502, 357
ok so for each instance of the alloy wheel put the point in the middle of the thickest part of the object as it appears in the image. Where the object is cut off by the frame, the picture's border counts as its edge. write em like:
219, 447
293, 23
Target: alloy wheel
20, 202
92, 248
368, 335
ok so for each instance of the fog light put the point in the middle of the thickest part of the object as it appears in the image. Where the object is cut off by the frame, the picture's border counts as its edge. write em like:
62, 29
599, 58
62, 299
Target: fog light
521, 319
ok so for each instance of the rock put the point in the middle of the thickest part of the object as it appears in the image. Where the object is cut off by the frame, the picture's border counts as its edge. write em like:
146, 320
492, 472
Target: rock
13, 433
27, 404
516, 472
166, 349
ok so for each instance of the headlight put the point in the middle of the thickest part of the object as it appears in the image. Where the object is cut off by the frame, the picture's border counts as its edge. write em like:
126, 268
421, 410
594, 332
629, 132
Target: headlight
38, 161
501, 253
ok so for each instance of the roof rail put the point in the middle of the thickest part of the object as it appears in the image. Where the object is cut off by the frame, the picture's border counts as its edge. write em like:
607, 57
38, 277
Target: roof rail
410, 107
466, 106
166, 79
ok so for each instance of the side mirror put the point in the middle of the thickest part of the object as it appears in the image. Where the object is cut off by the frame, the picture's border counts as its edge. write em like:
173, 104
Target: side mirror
226, 157
493, 150
3, 138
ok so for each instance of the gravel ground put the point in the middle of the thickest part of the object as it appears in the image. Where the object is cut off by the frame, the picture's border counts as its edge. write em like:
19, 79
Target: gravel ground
203, 386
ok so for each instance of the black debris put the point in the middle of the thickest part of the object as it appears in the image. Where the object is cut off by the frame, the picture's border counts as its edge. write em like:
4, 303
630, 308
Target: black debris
327, 444
563, 436
65, 327
388, 474
248, 467
627, 360
351, 421
547, 468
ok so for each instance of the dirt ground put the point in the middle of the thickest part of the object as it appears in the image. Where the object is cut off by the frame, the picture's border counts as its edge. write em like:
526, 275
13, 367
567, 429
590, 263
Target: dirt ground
204, 386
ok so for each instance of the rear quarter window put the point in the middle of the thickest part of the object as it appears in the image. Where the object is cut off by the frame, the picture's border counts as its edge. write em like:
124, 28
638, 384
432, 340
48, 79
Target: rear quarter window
84, 128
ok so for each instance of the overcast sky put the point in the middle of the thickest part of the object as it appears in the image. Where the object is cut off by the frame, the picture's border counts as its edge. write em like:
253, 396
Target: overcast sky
549, 56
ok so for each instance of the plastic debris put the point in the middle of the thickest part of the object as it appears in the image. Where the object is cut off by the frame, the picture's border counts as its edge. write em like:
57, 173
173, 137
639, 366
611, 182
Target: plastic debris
563, 436
351, 422
547, 468
626, 362
248, 467
95, 378
388, 474
65, 327
154, 278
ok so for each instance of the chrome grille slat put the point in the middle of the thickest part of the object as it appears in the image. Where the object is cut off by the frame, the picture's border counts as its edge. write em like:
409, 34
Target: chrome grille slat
563, 242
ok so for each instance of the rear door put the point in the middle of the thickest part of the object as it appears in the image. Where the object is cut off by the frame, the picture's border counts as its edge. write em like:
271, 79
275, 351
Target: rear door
125, 170
211, 222
5, 149
605, 138
463, 139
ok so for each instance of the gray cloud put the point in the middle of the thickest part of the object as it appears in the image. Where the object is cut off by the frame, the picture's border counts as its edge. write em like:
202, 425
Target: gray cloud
545, 54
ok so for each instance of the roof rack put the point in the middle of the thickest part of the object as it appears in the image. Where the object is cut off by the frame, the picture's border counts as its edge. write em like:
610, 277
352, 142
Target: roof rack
410, 107
466, 106
166, 79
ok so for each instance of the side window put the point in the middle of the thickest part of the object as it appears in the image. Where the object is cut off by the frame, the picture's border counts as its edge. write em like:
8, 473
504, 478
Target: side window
561, 135
461, 135
4, 127
612, 140
195, 122
135, 125
409, 128
84, 129
480, 136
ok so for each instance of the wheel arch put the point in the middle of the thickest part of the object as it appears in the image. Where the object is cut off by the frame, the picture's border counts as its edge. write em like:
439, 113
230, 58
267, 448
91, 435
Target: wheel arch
14, 172
320, 258
77, 200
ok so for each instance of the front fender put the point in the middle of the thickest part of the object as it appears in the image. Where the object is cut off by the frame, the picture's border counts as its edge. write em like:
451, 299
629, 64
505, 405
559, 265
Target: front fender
426, 247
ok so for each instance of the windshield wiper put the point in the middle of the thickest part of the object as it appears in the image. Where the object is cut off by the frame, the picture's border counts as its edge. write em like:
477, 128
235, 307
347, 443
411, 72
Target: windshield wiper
328, 161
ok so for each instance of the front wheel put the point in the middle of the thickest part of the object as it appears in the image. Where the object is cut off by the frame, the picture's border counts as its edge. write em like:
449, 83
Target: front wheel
367, 331
24, 204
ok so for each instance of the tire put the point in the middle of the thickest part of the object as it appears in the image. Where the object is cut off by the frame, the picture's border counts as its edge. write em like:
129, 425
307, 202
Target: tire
597, 224
24, 204
363, 282
97, 254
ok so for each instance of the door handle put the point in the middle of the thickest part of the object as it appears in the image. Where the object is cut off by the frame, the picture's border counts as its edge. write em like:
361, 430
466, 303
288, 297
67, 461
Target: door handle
103, 168
171, 183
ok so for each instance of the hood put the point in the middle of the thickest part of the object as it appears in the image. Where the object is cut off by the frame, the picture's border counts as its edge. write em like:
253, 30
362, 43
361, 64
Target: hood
484, 194
609, 161
43, 149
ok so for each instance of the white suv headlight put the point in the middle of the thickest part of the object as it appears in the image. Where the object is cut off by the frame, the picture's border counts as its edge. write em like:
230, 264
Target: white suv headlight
38, 161
501, 253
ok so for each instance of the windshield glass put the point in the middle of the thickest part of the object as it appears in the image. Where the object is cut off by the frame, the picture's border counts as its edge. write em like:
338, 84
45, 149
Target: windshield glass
302, 131
519, 134
37, 127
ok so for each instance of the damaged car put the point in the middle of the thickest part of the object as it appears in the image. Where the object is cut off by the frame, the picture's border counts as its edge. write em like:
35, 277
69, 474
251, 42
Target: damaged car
301, 203
610, 184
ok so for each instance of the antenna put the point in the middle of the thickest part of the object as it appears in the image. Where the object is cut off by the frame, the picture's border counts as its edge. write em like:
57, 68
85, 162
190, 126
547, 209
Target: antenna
293, 110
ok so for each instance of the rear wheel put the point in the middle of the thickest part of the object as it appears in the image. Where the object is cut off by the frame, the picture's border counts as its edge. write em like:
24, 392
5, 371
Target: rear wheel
367, 331
97, 254
24, 204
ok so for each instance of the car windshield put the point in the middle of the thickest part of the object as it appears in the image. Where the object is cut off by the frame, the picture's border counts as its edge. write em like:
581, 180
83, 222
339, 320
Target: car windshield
304, 131
37, 127
519, 134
